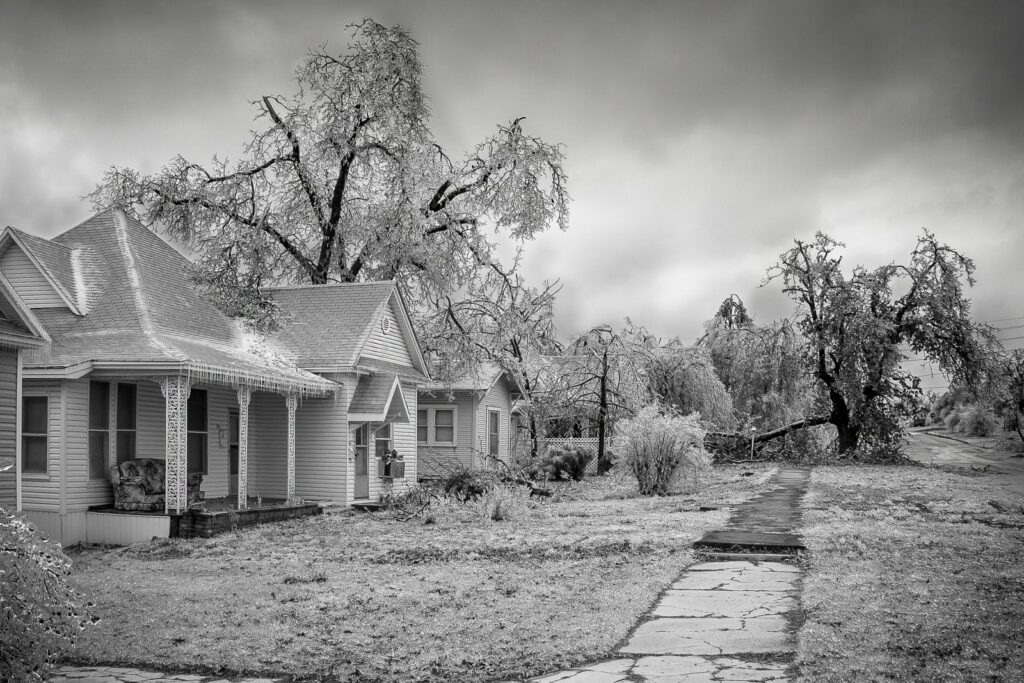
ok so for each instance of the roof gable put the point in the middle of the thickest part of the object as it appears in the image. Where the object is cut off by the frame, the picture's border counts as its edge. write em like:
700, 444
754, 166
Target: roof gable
41, 271
379, 398
335, 327
18, 326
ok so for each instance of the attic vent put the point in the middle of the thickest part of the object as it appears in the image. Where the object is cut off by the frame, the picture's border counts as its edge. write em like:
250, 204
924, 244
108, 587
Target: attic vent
385, 324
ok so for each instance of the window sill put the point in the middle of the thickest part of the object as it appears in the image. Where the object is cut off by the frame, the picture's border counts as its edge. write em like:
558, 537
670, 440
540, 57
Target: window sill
36, 476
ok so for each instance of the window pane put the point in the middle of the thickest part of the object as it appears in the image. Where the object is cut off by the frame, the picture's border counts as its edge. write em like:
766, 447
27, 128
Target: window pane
444, 435
444, 418
33, 454
197, 411
197, 453
98, 449
421, 425
126, 406
99, 405
125, 446
33, 415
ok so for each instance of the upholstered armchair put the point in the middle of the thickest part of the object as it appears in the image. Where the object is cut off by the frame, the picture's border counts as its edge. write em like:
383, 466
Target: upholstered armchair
139, 485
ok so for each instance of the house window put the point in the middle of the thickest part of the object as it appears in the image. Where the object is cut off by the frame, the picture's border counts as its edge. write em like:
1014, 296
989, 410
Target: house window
493, 432
99, 429
436, 426
421, 425
34, 426
197, 431
125, 425
382, 441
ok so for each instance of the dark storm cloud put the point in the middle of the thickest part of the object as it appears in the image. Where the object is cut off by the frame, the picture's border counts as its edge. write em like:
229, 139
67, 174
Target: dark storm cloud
701, 137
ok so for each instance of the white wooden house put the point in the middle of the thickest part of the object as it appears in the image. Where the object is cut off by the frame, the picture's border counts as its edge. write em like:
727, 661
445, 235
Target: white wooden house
115, 356
466, 423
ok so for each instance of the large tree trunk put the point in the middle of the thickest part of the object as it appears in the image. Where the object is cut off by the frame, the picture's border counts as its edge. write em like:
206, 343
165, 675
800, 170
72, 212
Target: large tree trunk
840, 417
848, 436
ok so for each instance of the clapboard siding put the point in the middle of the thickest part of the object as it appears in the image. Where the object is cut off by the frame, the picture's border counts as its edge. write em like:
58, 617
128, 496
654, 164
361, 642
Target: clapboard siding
404, 434
42, 491
30, 284
388, 346
8, 427
498, 398
268, 446
150, 425
117, 529
321, 449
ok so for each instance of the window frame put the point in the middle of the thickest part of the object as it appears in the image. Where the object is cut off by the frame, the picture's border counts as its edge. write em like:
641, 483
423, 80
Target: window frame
45, 472
205, 433
494, 439
432, 411
104, 451
119, 430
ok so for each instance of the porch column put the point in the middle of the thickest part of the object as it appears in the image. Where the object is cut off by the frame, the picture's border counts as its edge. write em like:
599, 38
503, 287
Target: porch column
244, 394
292, 401
176, 391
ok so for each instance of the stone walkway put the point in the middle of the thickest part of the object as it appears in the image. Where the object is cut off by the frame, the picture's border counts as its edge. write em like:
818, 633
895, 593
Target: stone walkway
720, 621
118, 674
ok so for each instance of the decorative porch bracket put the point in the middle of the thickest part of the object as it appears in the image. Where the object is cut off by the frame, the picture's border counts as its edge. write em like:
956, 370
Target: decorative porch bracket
244, 394
176, 391
292, 401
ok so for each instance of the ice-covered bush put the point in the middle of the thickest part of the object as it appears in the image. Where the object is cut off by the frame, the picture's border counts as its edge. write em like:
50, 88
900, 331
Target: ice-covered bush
40, 615
658, 444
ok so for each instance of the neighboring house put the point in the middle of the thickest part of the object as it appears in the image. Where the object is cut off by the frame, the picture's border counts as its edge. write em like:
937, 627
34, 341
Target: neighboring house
125, 359
467, 423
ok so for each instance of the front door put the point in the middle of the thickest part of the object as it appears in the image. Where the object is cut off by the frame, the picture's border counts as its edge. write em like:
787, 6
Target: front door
233, 453
362, 475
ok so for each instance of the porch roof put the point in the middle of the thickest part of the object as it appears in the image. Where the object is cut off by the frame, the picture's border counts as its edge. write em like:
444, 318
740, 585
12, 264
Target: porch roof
379, 398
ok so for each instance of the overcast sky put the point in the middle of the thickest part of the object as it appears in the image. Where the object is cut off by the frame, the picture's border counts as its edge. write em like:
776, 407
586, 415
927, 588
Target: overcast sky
701, 138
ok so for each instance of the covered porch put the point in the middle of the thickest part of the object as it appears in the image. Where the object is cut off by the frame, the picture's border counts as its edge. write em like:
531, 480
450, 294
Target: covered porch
256, 443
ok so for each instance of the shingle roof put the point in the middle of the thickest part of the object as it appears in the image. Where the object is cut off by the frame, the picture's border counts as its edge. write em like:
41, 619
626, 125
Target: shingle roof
483, 378
324, 326
142, 309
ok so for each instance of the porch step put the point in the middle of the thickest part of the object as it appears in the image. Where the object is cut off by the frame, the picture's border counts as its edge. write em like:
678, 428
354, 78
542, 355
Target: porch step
368, 506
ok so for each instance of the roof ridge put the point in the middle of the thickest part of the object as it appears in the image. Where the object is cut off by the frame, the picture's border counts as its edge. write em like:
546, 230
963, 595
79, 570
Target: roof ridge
135, 283
327, 285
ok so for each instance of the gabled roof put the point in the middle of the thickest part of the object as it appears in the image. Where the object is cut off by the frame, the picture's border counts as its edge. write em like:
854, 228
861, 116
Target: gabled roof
480, 380
326, 327
54, 261
378, 398
18, 326
143, 310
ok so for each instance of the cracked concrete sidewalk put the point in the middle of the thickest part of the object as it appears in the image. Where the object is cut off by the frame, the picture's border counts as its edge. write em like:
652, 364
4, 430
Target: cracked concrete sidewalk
719, 621
706, 627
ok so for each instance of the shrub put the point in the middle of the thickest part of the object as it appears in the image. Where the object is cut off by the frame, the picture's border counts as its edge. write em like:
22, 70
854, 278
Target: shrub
657, 444
572, 462
952, 421
500, 502
468, 483
40, 616
978, 421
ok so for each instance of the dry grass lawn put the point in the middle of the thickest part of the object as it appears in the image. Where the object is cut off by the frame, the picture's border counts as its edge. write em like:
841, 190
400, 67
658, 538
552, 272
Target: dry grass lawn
914, 574
371, 597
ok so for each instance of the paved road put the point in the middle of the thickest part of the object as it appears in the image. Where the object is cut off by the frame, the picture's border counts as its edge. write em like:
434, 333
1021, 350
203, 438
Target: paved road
1005, 469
